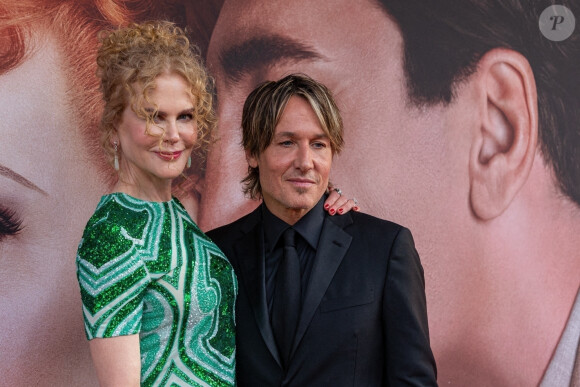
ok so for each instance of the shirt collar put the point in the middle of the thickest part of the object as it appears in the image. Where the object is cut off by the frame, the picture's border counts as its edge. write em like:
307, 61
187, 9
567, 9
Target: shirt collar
309, 226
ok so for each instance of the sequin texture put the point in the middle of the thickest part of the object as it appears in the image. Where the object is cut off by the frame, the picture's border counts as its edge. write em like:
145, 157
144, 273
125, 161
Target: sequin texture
146, 268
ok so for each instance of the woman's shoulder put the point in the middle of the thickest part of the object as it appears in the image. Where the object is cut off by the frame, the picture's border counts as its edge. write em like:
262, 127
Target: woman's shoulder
117, 211
112, 229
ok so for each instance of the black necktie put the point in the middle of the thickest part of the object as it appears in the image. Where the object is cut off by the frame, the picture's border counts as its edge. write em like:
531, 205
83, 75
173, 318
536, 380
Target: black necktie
287, 297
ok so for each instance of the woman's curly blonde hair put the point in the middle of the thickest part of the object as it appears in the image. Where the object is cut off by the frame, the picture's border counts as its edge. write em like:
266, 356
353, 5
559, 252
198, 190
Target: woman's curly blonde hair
129, 60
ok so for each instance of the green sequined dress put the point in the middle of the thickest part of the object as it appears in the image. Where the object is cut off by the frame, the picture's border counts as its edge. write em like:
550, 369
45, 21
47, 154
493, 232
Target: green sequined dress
146, 268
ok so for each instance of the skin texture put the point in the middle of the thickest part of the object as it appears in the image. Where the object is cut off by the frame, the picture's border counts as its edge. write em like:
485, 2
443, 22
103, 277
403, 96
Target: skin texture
496, 238
41, 143
294, 168
117, 360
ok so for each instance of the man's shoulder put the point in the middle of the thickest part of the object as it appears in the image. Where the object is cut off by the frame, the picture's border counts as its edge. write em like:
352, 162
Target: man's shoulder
234, 229
366, 221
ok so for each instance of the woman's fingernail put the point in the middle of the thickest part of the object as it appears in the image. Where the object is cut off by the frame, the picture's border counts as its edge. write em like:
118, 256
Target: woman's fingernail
340, 210
332, 212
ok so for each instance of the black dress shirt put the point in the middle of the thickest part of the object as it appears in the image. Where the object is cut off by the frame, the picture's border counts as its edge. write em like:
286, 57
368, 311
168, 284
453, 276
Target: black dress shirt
308, 230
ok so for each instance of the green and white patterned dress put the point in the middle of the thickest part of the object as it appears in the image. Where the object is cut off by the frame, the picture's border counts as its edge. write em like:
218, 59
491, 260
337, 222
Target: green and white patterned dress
145, 267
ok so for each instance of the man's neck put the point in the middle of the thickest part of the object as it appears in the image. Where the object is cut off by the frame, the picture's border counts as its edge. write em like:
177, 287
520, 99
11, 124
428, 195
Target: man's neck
288, 215
292, 216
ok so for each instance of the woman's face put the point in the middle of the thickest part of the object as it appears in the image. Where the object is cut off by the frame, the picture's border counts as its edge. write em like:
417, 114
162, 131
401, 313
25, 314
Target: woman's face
157, 155
49, 183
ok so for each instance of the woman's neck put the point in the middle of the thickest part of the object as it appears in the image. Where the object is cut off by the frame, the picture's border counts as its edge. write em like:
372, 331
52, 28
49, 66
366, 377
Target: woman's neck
149, 192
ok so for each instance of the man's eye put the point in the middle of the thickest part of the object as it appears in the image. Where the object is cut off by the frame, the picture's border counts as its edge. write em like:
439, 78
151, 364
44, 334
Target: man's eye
319, 145
10, 223
286, 143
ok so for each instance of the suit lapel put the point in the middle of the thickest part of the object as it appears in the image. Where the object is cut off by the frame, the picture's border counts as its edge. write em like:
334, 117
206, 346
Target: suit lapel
332, 247
250, 252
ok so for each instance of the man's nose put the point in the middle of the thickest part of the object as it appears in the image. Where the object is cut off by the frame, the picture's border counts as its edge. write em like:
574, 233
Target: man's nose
303, 159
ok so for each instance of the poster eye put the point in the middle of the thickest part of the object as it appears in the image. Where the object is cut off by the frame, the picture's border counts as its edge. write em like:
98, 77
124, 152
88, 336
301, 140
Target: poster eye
10, 223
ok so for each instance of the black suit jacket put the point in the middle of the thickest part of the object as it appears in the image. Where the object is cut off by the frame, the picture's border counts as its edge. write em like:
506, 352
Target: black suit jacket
363, 322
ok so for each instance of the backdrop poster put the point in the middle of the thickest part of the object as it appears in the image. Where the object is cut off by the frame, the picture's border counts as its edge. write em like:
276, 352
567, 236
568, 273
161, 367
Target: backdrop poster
460, 122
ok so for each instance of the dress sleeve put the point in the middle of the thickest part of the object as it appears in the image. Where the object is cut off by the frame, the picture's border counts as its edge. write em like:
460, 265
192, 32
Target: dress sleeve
112, 277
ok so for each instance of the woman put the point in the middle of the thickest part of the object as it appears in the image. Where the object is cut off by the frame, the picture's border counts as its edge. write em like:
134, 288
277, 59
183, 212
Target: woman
52, 174
158, 295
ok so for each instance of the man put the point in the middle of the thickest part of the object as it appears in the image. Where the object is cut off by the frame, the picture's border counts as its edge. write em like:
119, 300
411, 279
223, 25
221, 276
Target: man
358, 316
446, 135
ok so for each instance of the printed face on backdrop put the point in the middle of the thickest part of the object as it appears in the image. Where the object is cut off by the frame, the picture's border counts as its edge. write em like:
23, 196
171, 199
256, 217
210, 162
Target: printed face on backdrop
402, 163
48, 188
475, 217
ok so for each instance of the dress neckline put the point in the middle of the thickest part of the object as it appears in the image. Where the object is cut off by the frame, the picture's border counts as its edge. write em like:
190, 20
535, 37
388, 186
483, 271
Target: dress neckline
133, 198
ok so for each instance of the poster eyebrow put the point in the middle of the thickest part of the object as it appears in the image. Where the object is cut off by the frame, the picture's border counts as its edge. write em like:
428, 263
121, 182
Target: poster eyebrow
9, 173
262, 51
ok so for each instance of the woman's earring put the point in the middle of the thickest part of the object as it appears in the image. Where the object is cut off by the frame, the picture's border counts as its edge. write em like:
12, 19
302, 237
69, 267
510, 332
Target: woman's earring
116, 160
189, 162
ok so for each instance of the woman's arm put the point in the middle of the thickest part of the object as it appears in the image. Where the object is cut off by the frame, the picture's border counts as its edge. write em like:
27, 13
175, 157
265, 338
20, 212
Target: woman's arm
117, 360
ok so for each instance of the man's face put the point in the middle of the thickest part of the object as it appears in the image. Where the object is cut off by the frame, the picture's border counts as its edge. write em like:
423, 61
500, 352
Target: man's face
403, 163
294, 168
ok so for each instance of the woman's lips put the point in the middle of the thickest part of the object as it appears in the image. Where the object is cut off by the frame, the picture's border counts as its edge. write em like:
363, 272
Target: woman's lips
169, 156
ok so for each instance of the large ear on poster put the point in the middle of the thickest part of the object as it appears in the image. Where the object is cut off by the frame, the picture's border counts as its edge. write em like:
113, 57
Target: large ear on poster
504, 147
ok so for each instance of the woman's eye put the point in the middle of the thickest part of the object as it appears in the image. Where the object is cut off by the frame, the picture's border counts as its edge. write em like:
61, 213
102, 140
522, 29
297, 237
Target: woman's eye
153, 116
10, 223
185, 117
